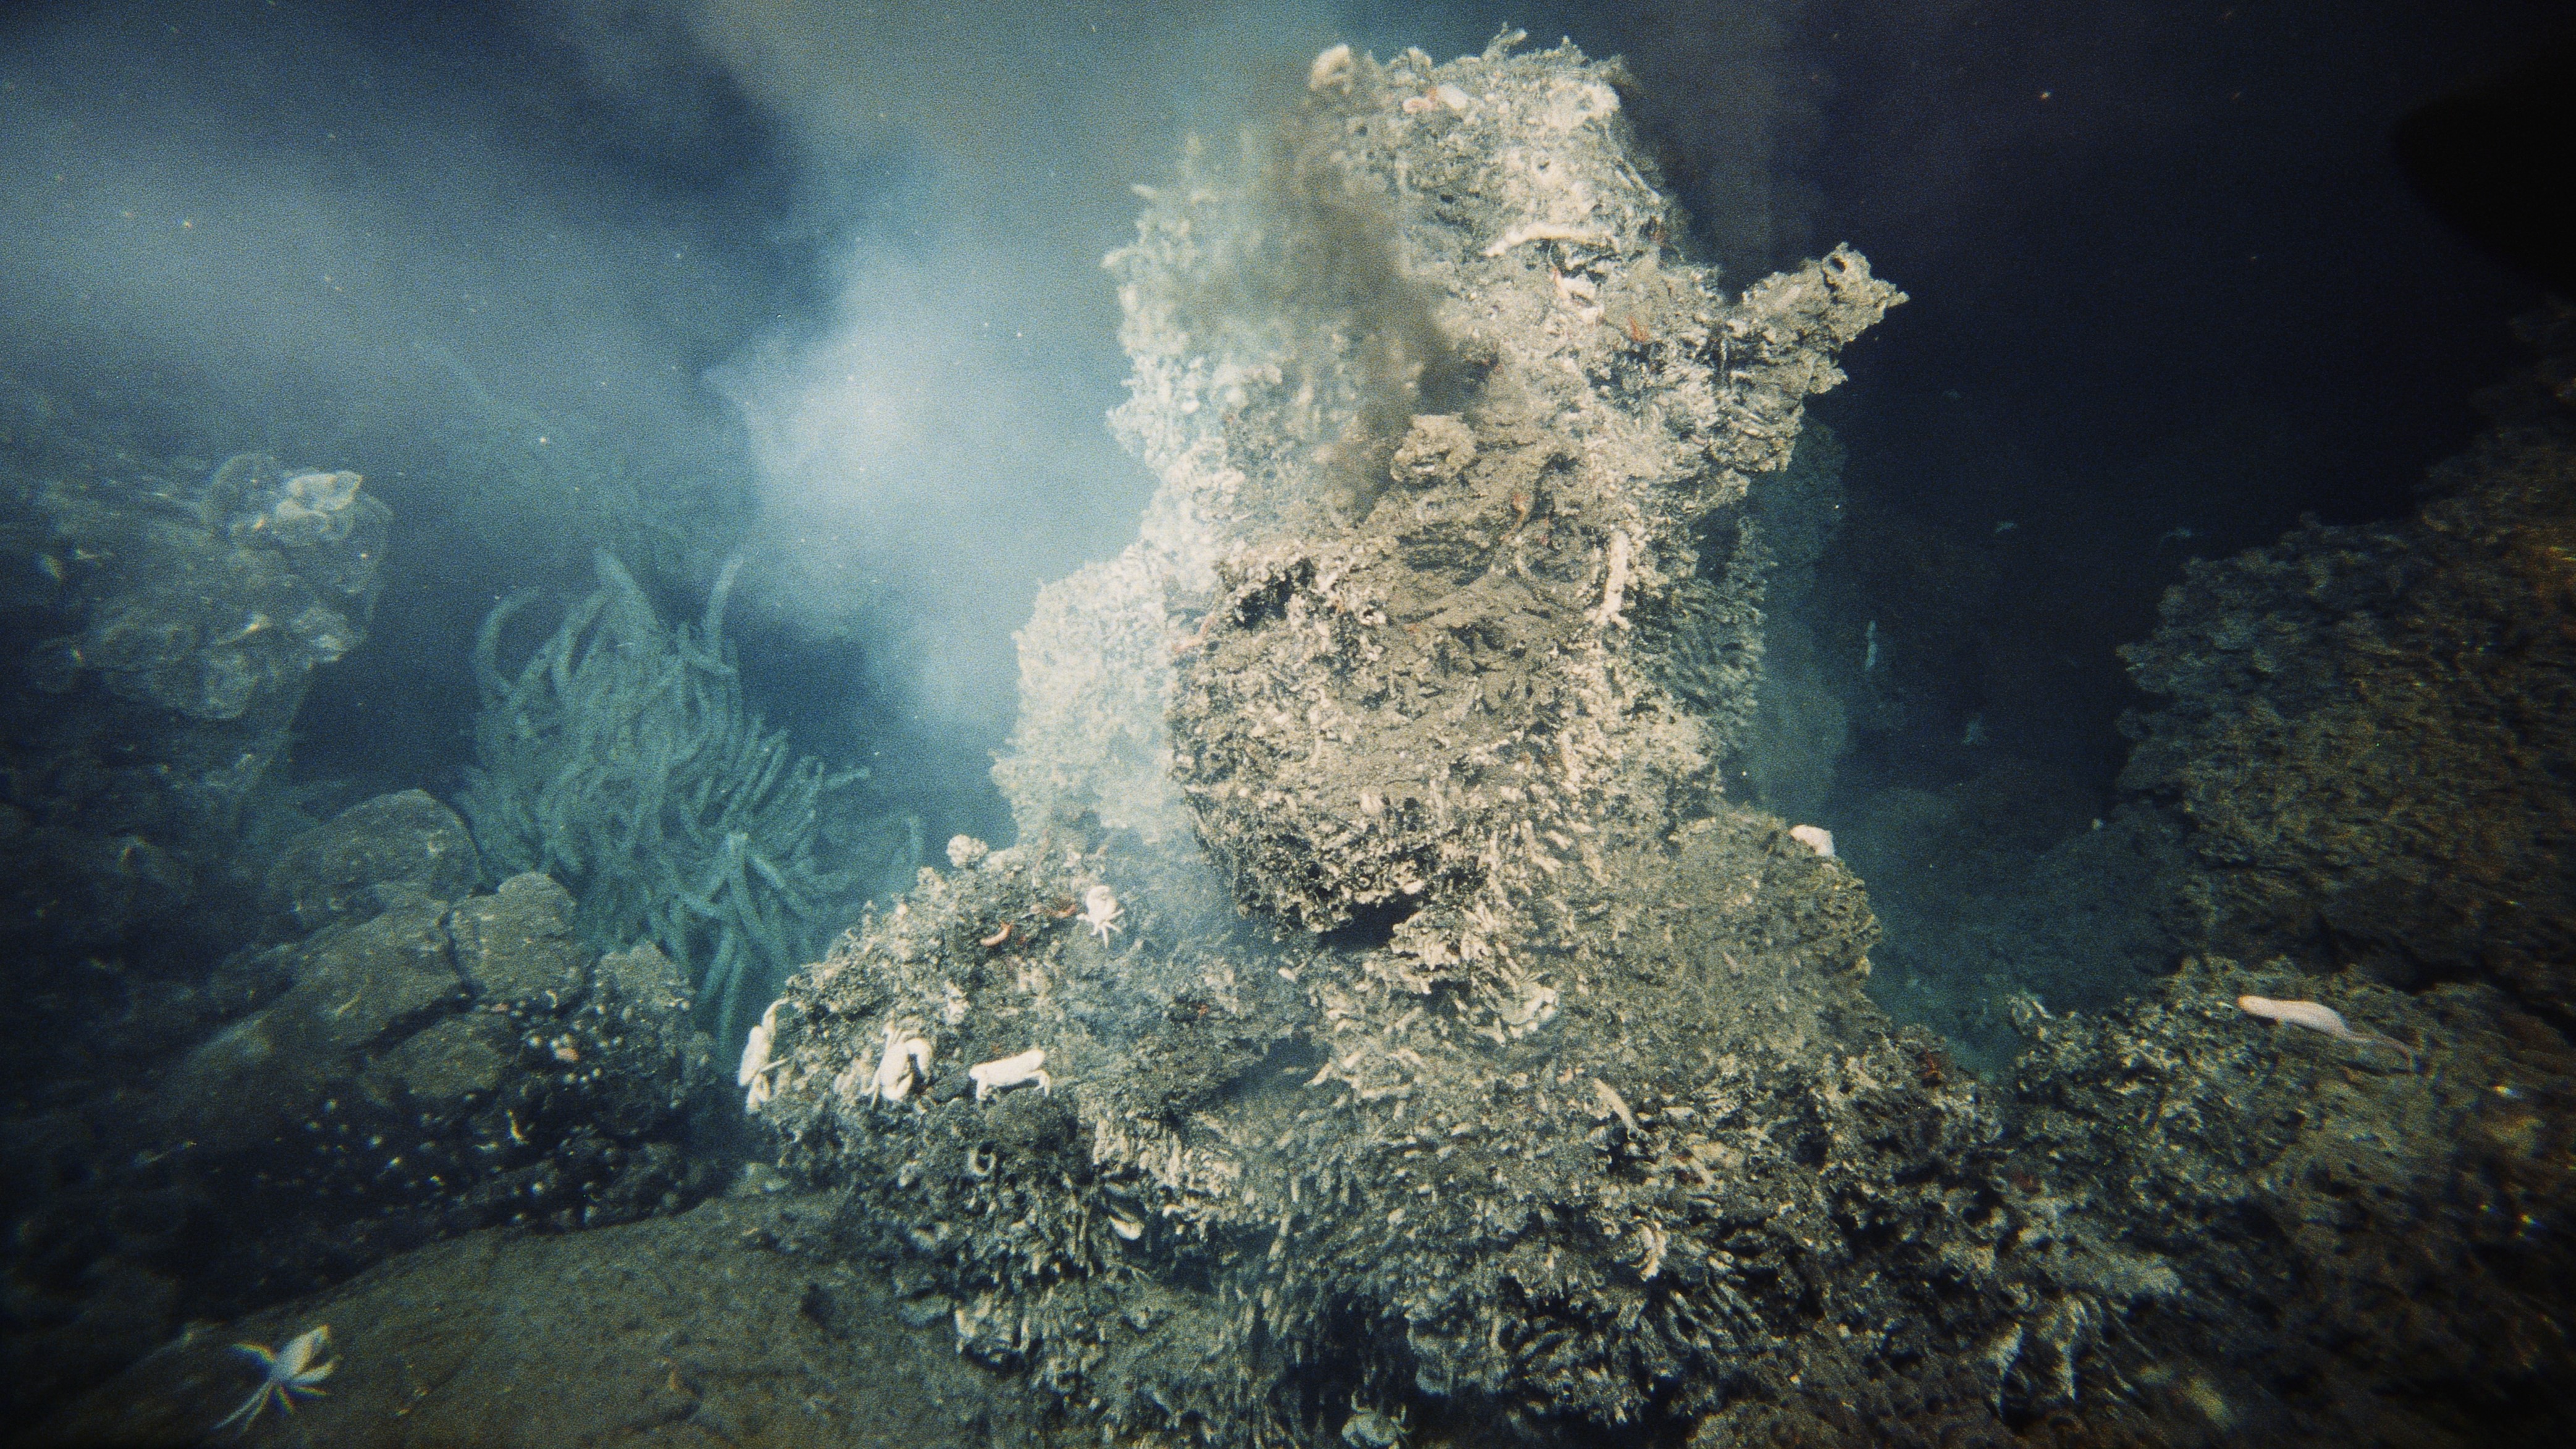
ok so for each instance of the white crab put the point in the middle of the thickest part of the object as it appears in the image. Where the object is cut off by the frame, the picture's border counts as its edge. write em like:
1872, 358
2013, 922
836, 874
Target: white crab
904, 1064
1369, 1429
754, 1074
1100, 911
1029, 1066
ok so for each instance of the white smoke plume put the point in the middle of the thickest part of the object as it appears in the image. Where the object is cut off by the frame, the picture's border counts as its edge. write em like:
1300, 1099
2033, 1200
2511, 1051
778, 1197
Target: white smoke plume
932, 449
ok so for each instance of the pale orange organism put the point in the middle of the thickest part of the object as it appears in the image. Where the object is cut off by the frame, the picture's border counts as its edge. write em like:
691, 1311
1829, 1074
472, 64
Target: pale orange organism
2316, 1016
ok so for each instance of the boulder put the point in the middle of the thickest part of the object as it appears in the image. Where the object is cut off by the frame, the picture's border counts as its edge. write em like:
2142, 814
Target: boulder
407, 838
518, 944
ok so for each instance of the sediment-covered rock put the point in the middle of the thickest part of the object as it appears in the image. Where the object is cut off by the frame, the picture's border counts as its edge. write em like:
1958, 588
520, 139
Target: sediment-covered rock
394, 1077
405, 839
451, 1064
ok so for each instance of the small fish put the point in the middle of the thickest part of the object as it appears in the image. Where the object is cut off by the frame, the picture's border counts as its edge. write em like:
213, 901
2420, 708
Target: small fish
2316, 1016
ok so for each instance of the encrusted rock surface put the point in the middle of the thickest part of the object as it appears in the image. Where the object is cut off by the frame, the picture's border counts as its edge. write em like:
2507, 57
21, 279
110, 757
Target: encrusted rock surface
2362, 733
452, 1064
1268, 1177
352, 986
519, 944
1453, 1046
1425, 1037
216, 602
2357, 1243
1448, 430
